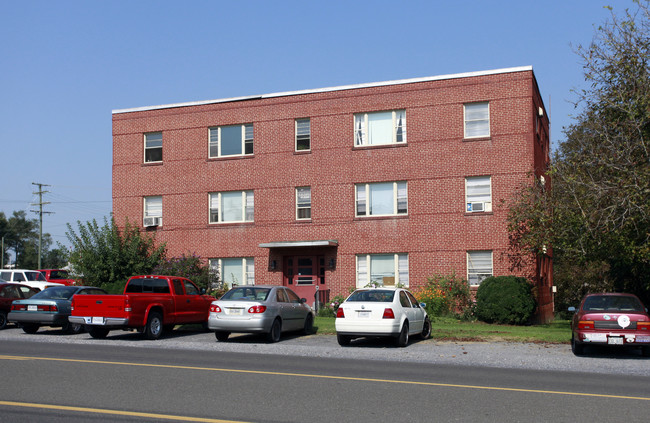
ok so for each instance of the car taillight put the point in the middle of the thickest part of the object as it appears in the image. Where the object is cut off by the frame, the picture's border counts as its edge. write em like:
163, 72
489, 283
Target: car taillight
127, 306
339, 313
388, 314
257, 309
586, 324
18, 307
72, 304
215, 308
47, 308
643, 325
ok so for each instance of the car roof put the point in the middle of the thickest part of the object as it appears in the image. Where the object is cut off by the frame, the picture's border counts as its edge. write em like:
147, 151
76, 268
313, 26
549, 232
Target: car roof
611, 294
258, 286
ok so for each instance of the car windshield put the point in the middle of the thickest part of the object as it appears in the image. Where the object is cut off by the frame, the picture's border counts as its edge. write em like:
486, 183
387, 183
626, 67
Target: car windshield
246, 294
35, 276
372, 295
612, 303
56, 293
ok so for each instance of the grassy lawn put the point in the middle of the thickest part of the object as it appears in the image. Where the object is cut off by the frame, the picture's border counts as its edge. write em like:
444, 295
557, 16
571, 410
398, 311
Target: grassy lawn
448, 329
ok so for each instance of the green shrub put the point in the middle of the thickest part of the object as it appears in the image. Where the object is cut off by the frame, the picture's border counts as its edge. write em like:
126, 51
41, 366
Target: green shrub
192, 267
445, 295
505, 300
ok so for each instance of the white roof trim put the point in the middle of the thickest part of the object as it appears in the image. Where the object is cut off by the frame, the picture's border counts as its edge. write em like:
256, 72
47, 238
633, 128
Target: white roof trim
329, 89
281, 244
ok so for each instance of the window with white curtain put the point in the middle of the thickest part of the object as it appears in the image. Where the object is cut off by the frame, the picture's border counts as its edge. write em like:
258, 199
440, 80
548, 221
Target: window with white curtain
232, 206
478, 194
303, 203
380, 128
153, 147
235, 271
153, 206
303, 134
382, 269
479, 266
233, 140
381, 199
477, 120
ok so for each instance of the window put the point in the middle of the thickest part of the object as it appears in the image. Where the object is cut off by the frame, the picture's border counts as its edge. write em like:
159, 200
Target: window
231, 206
233, 140
477, 120
382, 269
479, 266
380, 128
153, 147
478, 194
303, 135
381, 199
235, 271
153, 211
303, 203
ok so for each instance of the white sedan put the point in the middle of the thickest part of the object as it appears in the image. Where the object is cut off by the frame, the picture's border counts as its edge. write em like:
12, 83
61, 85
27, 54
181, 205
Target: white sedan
389, 312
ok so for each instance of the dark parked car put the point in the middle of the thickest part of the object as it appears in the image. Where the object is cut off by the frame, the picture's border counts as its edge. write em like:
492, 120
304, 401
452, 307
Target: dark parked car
610, 319
50, 307
8, 293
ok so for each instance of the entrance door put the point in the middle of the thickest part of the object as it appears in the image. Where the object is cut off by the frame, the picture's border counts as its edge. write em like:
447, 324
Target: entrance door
304, 275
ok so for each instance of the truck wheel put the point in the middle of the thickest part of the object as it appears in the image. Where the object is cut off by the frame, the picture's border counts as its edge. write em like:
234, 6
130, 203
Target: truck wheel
73, 328
276, 331
97, 332
30, 328
3, 319
154, 328
222, 336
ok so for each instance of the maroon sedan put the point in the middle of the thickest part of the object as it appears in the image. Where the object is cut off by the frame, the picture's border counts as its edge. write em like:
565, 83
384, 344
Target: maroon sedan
8, 293
610, 319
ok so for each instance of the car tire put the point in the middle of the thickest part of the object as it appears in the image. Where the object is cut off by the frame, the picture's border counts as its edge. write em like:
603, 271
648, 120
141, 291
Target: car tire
3, 320
154, 327
426, 329
308, 327
343, 340
30, 328
402, 339
275, 332
576, 347
97, 332
73, 328
222, 336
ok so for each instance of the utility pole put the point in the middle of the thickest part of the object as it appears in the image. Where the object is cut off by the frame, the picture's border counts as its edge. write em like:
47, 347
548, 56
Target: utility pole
40, 212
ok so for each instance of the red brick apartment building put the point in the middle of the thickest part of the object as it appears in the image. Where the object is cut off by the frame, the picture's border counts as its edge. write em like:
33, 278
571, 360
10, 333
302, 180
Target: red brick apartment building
328, 189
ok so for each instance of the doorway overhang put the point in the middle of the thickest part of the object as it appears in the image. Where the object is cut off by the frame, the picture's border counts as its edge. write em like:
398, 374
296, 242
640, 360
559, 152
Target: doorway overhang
300, 244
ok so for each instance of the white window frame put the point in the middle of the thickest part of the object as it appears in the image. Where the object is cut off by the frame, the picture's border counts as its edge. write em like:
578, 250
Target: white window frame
475, 273
302, 205
247, 137
248, 269
248, 207
477, 202
398, 186
147, 148
361, 124
364, 263
300, 133
486, 119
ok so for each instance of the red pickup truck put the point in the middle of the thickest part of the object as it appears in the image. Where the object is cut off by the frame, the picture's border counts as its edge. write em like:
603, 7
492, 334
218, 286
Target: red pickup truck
58, 276
151, 304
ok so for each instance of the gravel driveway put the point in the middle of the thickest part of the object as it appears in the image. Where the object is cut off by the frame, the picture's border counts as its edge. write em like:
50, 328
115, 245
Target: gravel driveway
488, 354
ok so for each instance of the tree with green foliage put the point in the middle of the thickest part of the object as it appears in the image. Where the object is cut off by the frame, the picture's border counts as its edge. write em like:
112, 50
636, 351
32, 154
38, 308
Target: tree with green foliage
597, 214
106, 256
192, 267
505, 299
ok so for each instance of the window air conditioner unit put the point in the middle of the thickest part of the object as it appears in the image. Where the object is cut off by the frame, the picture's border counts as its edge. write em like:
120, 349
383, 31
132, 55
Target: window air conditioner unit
479, 207
152, 221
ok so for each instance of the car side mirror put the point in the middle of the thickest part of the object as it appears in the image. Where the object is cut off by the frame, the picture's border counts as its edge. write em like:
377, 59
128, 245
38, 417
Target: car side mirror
572, 309
303, 300
423, 305
203, 291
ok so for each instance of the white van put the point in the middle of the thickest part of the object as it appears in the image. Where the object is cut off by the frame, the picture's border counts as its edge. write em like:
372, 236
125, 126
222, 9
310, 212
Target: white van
31, 278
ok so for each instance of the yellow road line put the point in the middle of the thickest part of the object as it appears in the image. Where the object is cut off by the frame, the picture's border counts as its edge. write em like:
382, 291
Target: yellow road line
314, 376
114, 412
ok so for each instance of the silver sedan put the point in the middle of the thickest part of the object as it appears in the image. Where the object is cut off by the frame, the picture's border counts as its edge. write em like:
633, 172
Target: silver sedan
264, 309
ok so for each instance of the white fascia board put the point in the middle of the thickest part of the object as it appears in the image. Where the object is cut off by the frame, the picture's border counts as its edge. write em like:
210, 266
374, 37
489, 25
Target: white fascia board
330, 89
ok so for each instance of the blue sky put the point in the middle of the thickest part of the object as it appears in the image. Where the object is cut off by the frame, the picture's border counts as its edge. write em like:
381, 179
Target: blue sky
65, 65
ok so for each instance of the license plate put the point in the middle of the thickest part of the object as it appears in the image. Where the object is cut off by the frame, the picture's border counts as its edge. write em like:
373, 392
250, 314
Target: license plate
364, 314
97, 321
615, 340
235, 311
32, 308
